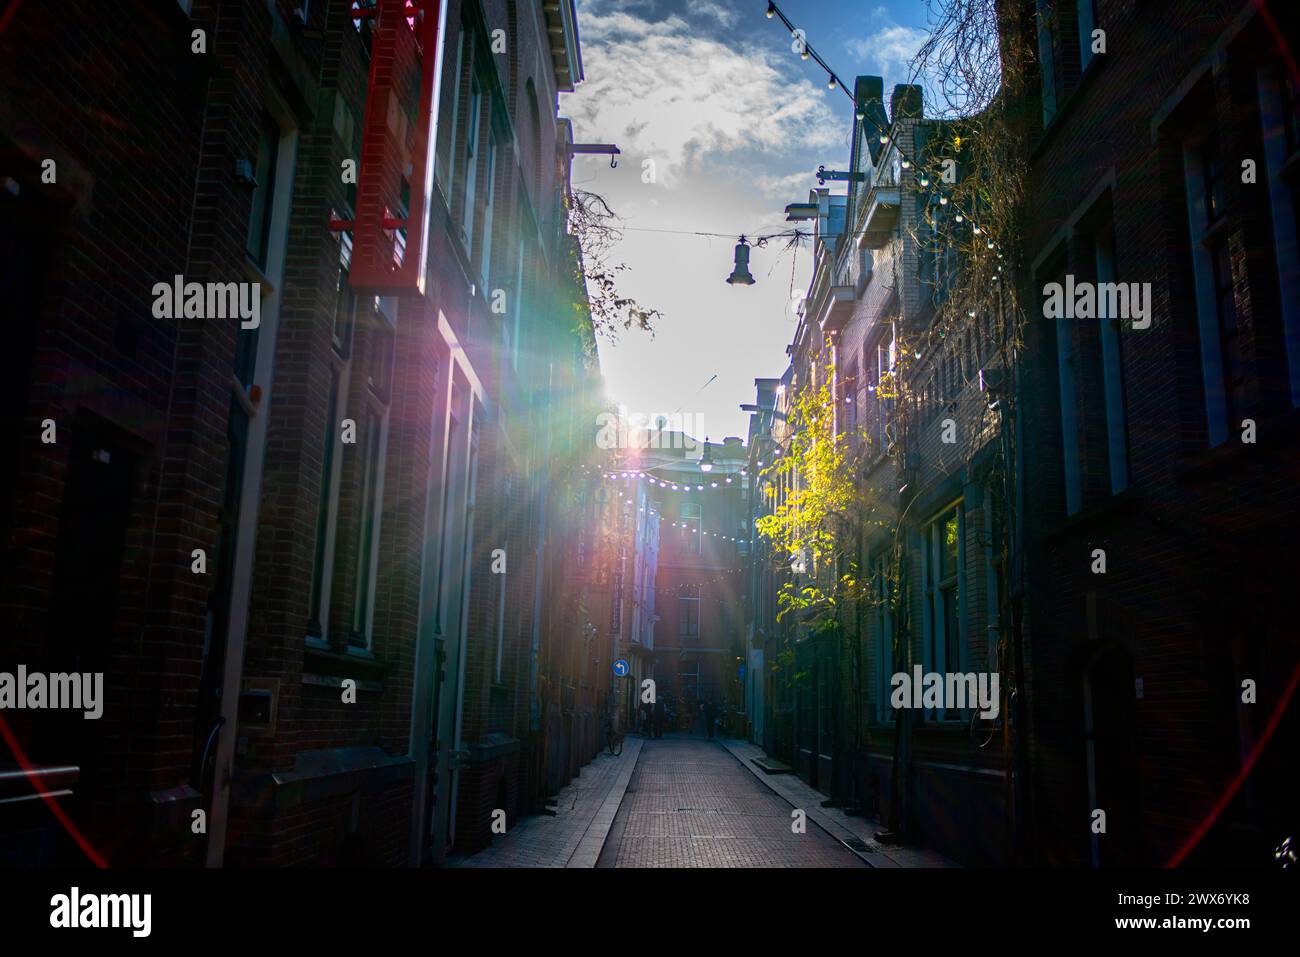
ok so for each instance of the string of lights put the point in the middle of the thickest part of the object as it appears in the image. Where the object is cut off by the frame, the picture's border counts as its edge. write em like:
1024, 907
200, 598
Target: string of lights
906, 160
760, 239
678, 486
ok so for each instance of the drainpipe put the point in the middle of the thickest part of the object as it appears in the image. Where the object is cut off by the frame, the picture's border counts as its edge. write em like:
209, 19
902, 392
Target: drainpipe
1019, 710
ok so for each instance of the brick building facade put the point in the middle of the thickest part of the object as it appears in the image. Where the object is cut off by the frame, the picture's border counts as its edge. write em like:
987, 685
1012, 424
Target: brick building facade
1108, 532
1143, 449
340, 675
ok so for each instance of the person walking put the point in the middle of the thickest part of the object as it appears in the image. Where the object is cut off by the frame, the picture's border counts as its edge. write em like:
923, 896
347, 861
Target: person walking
710, 711
659, 718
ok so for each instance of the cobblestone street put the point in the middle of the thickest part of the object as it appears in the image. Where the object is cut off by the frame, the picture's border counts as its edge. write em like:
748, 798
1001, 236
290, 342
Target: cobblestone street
690, 803
671, 802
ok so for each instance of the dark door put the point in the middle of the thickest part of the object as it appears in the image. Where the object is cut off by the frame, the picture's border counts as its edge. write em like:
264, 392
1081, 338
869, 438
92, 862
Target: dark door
24, 255
102, 465
1113, 713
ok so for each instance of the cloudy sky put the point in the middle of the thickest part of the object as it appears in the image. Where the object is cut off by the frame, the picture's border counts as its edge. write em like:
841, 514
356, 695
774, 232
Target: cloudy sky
734, 124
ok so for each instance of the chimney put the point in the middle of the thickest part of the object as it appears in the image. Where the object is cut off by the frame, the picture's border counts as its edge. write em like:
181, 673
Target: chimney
906, 103
868, 94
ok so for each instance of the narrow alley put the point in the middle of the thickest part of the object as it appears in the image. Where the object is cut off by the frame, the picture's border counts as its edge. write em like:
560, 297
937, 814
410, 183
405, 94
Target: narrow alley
691, 803
669, 802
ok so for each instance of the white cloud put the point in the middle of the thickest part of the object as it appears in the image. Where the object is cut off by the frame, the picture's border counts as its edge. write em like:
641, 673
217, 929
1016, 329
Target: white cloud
726, 16
889, 52
786, 189
677, 93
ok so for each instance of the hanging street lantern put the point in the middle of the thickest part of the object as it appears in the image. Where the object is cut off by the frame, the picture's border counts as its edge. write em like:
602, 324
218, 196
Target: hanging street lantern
706, 460
740, 275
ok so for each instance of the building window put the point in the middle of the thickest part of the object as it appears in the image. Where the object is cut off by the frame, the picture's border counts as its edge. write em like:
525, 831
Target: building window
489, 198
1234, 377
1067, 363
453, 142
471, 162
944, 562
379, 376
1048, 29
1087, 23
692, 517
371, 508
688, 611
1222, 367
318, 610
345, 301
510, 329
1291, 109
259, 216
365, 25
1279, 110
1112, 361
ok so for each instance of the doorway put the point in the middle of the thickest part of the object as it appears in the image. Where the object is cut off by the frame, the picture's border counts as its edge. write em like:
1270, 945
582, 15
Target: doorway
98, 497
1110, 725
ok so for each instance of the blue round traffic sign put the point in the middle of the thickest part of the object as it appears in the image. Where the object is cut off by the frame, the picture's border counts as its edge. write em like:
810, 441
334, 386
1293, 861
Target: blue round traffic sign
621, 667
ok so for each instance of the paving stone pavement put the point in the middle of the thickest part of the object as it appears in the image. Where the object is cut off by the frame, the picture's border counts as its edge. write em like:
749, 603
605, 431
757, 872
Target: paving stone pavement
690, 803
585, 810
838, 824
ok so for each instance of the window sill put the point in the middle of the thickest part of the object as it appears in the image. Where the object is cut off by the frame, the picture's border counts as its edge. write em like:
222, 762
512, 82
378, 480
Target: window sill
328, 667
253, 273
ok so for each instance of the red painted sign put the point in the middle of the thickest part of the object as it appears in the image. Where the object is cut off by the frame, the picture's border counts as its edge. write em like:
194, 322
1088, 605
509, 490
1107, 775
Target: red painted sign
390, 236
